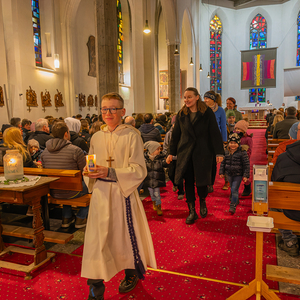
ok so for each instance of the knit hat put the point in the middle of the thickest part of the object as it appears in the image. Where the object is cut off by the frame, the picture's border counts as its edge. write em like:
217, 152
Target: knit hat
234, 137
230, 113
242, 124
32, 143
151, 146
73, 124
293, 131
210, 96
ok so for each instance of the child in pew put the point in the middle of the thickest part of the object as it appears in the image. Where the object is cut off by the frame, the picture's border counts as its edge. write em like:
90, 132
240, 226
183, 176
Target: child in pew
155, 163
246, 144
33, 147
237, 167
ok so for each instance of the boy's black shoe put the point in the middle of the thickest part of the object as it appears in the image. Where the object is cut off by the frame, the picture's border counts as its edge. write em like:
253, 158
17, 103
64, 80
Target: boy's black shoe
232, 208
128, 284
293, 250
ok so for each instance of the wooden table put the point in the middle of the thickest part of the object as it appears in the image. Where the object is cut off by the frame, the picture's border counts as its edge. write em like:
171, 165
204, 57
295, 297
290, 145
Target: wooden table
30, 195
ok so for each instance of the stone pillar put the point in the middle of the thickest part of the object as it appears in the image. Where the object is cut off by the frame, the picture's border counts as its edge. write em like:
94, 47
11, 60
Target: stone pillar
106, 47
174, 78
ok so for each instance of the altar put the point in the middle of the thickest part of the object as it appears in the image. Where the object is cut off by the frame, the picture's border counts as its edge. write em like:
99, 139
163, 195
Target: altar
255, 112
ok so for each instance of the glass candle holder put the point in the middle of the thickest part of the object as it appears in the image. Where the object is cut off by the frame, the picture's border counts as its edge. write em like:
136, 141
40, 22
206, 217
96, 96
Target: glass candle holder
91, 162
13, 165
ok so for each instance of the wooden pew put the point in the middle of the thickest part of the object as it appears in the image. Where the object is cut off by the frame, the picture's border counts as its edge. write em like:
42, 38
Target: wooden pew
70, 180
271, 147
284, 195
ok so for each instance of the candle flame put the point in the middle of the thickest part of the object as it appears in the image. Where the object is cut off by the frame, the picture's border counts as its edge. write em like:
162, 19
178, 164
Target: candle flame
12, 161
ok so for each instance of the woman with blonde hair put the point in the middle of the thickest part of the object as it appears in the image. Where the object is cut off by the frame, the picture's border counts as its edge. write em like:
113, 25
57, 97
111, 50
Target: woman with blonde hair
277, 118
12, 138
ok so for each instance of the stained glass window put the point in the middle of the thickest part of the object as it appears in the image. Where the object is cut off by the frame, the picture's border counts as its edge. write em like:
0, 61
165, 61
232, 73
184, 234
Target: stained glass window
36, 32
215, 27
120, 40
258, 39
298, 47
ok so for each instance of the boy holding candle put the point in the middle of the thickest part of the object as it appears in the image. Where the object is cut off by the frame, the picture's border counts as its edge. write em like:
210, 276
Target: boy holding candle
117, 235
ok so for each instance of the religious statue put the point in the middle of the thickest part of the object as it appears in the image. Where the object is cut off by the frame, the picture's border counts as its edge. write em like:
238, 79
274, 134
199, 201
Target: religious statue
96, 101
92, 56
81, 101
1, 97
58, 99
90, 101
46, 100
31, 98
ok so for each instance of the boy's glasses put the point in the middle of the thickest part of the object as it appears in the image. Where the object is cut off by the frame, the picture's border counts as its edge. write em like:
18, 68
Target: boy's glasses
112, 110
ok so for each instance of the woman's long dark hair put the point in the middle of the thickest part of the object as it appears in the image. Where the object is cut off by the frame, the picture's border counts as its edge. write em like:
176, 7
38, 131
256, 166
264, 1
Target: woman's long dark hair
201, 106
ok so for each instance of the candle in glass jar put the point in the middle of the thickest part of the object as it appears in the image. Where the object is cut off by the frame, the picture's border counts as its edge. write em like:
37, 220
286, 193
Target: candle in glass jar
91, 162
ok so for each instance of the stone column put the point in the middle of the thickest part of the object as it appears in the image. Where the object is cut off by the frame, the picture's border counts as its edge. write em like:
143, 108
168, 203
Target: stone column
174, 78
106, 47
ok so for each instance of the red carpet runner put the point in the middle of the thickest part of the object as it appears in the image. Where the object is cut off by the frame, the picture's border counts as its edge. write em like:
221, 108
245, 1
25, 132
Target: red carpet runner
220, 249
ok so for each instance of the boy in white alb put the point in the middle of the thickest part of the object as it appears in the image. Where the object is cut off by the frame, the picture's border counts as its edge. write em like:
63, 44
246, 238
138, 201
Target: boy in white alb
117, 235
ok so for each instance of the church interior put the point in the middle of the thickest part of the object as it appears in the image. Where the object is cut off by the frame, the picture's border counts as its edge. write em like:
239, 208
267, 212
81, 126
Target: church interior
58, 57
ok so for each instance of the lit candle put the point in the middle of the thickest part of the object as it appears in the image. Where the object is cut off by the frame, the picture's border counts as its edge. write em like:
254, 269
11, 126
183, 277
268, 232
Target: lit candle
91, 162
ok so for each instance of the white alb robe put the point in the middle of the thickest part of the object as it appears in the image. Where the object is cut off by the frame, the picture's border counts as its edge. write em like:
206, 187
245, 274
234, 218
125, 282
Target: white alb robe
107, 246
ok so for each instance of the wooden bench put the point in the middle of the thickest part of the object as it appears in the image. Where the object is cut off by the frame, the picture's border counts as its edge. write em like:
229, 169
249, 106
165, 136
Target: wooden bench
70, 180
271, 147
284, 195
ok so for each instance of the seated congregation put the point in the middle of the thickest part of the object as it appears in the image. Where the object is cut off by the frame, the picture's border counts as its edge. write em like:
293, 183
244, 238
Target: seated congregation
145, 151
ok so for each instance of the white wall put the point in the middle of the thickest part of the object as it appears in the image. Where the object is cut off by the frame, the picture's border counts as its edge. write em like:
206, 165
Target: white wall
281, 21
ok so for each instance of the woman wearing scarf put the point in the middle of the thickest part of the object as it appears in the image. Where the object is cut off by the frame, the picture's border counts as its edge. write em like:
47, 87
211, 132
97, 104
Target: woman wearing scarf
214, 101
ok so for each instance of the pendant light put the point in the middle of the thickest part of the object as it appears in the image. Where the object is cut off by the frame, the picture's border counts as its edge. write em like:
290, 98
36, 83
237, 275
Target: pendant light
146, 28
208, 75
191, 62
200, 69
176, 52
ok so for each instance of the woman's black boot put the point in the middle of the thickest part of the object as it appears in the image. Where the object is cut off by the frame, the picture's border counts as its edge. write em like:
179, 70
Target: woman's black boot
203, 208
192, 217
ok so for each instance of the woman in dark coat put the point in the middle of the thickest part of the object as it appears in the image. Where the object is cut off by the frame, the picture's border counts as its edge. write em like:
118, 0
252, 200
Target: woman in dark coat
196, 140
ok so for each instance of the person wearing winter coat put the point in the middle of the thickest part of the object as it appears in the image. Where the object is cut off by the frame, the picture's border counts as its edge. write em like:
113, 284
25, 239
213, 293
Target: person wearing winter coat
74, 126
237, 168
61, 154
246, 144
197, 142
155, 163
148, 131
287, 169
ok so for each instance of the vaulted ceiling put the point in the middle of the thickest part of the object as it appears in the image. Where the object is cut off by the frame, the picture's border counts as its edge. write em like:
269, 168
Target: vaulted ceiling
238, 4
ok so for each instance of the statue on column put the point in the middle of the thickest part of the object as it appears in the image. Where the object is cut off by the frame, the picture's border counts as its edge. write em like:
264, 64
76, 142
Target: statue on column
1, 97
92, 55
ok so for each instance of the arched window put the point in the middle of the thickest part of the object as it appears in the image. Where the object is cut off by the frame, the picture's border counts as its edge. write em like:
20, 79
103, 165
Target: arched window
120, 41
258, 39
215, 28
298, 47
35, 7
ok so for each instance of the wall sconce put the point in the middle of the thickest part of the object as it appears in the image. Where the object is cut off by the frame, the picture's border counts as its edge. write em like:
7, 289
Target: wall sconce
191, 62
176, 52
56, 61
146, 28
200, 69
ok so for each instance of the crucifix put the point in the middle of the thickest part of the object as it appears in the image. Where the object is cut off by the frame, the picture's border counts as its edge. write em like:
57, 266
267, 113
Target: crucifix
109, 160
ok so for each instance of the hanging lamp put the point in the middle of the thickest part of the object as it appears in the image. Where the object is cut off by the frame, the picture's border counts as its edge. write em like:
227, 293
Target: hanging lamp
208, 75
191, 62
200, 69
146, 28
176, 52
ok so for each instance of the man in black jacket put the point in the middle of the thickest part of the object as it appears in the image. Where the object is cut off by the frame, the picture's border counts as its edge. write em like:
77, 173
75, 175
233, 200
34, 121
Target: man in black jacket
148, 131
287, 169
281, 129
41, 134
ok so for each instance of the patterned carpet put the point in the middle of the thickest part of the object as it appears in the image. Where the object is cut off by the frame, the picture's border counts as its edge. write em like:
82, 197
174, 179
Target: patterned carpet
210, 259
